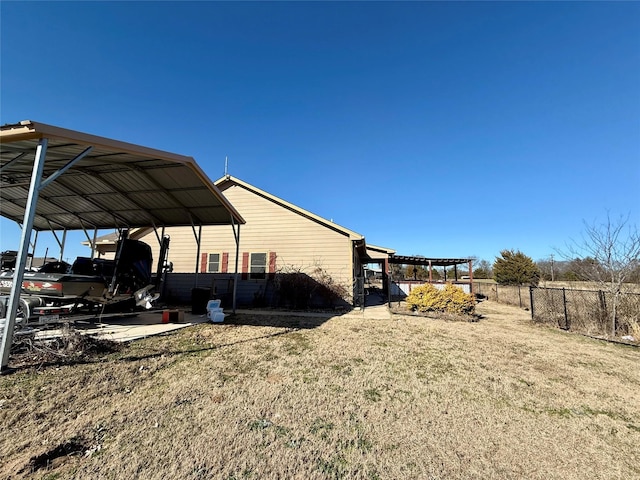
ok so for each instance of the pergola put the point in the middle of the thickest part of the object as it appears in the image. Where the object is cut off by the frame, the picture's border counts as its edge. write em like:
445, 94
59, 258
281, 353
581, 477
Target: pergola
434, 262
57, 179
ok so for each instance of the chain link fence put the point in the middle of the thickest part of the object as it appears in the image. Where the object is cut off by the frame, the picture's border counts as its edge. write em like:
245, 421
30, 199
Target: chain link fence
584, 311
509, 294
587, 311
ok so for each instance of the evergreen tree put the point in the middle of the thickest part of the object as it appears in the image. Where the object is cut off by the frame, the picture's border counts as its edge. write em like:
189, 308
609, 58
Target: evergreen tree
515, 268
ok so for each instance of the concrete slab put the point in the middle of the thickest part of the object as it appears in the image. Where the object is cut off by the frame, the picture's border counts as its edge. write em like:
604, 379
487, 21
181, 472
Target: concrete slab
127, 328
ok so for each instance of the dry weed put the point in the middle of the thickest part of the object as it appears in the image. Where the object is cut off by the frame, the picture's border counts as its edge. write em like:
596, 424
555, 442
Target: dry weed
70, 347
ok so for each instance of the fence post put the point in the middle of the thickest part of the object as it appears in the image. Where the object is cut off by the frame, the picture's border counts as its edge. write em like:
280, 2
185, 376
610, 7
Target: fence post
531, 298
496, 293
519, 297
566, 316
604, 315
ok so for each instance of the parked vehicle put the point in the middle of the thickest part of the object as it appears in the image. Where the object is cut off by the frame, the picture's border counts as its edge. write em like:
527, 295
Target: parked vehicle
8, 259
88, 286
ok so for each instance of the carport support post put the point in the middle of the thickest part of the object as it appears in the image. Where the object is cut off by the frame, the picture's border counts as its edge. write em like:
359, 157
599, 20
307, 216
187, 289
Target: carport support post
93, 243
198, 241
60, 242
33, 249
18, 273
236, 234
63, 243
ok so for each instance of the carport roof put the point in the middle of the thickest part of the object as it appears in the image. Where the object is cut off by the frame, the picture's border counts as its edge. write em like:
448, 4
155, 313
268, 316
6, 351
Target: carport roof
115, 184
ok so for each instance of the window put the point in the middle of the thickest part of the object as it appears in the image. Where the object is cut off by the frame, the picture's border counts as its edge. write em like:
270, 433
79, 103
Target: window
258, 266
213, 265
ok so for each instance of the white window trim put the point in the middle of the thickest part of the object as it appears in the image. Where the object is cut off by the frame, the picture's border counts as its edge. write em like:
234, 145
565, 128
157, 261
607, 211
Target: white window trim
219, 262
266, 266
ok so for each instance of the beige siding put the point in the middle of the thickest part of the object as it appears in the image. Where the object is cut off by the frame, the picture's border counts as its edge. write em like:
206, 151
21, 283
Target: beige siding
297, 241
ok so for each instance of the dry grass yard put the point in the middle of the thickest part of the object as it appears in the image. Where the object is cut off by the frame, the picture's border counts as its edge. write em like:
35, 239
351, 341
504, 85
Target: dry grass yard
405, 398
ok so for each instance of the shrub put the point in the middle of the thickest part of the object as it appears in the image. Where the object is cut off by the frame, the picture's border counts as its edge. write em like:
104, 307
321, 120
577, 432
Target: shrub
451, 299
294, 289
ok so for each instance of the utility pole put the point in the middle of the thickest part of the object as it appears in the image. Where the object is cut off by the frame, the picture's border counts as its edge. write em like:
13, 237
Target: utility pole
552, 267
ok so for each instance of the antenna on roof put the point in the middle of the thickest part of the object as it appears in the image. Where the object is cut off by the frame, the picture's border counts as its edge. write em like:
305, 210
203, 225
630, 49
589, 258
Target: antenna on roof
226, 165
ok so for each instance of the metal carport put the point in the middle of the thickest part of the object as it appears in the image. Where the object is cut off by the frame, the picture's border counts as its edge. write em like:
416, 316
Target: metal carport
57, 179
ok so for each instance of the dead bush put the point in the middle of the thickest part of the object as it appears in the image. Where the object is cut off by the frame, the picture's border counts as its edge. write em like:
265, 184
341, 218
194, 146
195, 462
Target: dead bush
69, 347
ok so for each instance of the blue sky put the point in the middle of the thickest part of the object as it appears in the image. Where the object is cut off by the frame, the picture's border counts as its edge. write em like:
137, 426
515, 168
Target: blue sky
440, 129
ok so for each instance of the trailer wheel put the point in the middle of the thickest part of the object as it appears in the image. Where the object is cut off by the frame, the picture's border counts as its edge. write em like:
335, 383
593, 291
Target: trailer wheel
22, 308
26, 306
24, 312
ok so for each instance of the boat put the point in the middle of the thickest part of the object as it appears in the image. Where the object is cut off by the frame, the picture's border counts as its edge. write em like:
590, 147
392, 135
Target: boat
88, 285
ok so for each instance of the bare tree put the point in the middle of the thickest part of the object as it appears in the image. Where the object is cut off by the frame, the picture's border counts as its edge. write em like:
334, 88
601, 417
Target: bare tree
609, 254
482, 269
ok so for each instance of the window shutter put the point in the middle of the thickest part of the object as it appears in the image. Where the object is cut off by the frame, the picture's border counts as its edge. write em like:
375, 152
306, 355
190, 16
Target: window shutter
272, 264
224, 267
203, 262
245, 265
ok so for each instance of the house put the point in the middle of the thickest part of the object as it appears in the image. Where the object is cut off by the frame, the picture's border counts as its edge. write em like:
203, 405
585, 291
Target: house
286, 256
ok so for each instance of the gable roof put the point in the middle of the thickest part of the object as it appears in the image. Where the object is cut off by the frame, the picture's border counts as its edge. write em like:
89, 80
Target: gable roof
228, 180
